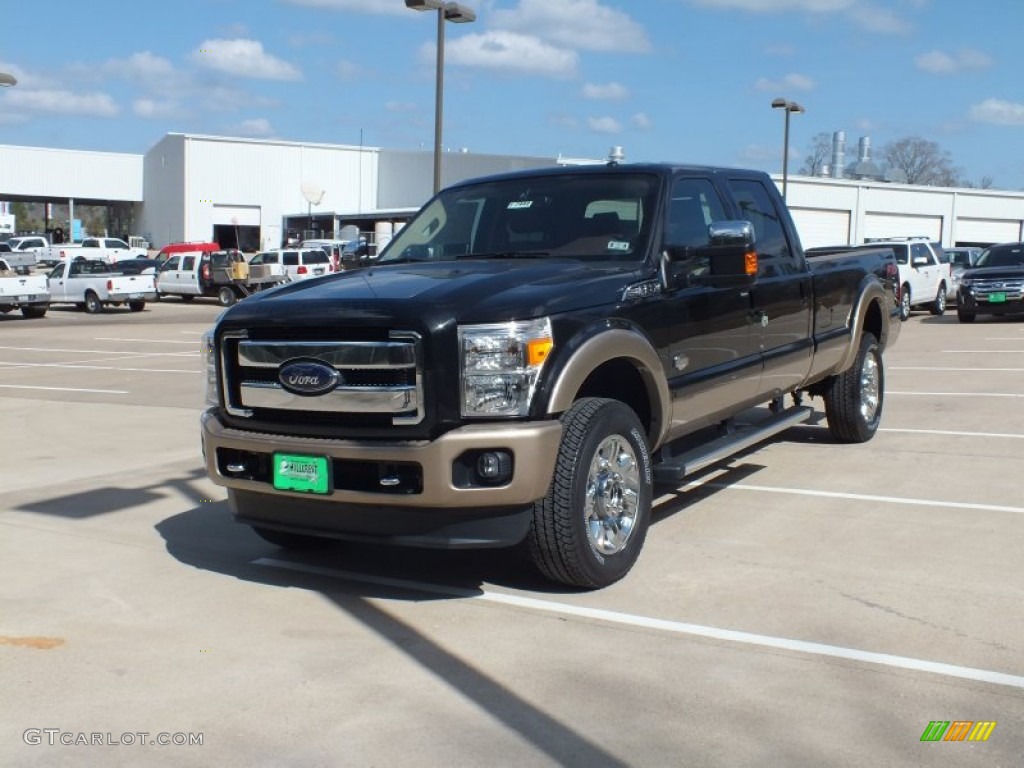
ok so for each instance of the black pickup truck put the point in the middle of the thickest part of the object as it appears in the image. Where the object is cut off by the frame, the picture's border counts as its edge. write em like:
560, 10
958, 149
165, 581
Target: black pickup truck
531, 354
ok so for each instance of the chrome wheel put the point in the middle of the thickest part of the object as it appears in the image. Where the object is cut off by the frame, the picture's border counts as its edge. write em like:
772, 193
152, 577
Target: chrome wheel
905, 303
612, 495
870, 388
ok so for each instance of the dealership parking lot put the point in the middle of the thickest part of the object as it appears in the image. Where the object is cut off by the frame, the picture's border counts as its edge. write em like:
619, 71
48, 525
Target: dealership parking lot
806, 604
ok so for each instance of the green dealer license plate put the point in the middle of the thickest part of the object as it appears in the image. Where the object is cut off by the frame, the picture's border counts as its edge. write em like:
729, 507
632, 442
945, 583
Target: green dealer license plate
996, 298
307, 474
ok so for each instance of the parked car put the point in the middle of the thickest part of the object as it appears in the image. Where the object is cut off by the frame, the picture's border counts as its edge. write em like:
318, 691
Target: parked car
924, 277
994, 285
959, 259
29, 293
298, 263
224, 274
91, 285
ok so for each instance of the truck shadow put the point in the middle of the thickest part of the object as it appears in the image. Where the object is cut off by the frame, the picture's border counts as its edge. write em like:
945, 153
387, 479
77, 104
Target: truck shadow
206, 537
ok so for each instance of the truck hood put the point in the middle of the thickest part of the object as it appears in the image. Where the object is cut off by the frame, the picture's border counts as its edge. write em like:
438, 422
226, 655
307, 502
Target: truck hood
993, 273
466, 291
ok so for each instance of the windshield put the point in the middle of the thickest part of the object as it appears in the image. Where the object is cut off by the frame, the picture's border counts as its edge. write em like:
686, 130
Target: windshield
1011, 255
589, 216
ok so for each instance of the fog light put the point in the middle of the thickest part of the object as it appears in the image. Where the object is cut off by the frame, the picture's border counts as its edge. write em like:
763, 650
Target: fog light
494, 467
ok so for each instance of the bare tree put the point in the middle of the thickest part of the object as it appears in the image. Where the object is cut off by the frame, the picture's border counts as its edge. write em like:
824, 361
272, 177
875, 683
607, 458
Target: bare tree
818, 155
922, 162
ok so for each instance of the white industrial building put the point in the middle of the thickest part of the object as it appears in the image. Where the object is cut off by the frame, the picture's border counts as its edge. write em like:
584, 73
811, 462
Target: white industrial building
253, 192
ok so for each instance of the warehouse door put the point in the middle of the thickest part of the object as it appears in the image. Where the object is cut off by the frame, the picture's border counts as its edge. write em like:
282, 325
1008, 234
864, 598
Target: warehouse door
818, 226
237, 226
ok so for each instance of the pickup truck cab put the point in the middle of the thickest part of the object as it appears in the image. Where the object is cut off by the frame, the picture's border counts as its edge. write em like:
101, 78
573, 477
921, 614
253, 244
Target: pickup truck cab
92, 285
532, 354
29, 293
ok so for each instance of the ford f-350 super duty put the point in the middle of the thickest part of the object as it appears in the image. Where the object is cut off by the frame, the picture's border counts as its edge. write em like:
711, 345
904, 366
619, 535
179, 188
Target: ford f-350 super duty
531, 354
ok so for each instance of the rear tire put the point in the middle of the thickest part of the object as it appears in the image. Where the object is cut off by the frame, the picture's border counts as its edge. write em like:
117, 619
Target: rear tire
136, 306
33, 312
186, 297
589, 529
289, 540
93, 305
938, 307
854, 398
964, 316
905, 302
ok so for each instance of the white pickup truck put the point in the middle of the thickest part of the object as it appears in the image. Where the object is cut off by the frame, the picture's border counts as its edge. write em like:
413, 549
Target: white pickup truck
91, 285
109, 249
26, 292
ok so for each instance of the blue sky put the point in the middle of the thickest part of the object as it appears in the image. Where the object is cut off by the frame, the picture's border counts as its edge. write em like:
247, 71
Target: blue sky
679, 80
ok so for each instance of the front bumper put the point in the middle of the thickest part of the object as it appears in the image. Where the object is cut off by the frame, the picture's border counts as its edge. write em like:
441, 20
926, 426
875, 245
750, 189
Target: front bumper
979, 304
431, 468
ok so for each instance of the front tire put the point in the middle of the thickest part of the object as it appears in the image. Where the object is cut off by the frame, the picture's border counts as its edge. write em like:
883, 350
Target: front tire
589, 529
964, 316
854, 398
93, 305
33, 312
905, 302
938, 307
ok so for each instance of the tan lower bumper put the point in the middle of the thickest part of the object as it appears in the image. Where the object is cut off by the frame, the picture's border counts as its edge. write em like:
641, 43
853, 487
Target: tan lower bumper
534, 447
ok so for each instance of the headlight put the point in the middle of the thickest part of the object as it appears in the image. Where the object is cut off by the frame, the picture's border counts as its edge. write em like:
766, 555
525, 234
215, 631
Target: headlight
501, 364
209, 354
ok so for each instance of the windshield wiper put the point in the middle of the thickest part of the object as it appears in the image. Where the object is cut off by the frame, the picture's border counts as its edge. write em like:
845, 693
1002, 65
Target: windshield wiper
506, 255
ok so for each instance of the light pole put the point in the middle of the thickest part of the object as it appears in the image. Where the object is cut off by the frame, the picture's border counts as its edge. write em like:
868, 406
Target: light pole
446, 11
789, 107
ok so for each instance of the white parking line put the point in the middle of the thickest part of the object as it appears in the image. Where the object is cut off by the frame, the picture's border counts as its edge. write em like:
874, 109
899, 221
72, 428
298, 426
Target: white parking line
677, 627
855, 496
12, 366
69, 389
957, 394
968, 370
952, 433
148, 341
980, 351
91, 351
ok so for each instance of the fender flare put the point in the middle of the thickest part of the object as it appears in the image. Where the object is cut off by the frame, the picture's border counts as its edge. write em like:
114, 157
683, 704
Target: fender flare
603, 346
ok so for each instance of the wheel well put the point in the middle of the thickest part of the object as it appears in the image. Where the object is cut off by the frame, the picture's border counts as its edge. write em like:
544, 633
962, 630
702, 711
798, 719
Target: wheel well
873, 320
620, 380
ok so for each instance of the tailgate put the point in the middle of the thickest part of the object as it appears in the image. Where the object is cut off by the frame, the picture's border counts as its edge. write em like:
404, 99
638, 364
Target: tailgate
132, 284
23, 286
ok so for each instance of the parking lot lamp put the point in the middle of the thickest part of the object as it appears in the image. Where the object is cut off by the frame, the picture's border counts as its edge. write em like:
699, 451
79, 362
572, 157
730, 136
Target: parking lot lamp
789, 107
446, 11
7, 80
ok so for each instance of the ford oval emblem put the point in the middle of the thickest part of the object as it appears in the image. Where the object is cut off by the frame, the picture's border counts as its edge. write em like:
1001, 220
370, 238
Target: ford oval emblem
308, 377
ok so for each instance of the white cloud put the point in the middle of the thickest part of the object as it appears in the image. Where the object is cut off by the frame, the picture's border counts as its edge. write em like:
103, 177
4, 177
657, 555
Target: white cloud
574, 24
864, 14
143, 68
604, 125
780, 6
508, 51
998, 112
609, 91
347, 70
792, 81
25, 78
257, 128
62, 102
389, 7
152, 109
243, 58
641, 120
942, 63
400, 106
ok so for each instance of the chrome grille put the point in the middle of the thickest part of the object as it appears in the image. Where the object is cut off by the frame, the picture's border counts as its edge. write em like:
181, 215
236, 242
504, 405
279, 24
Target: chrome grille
1012, 287
377, 377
